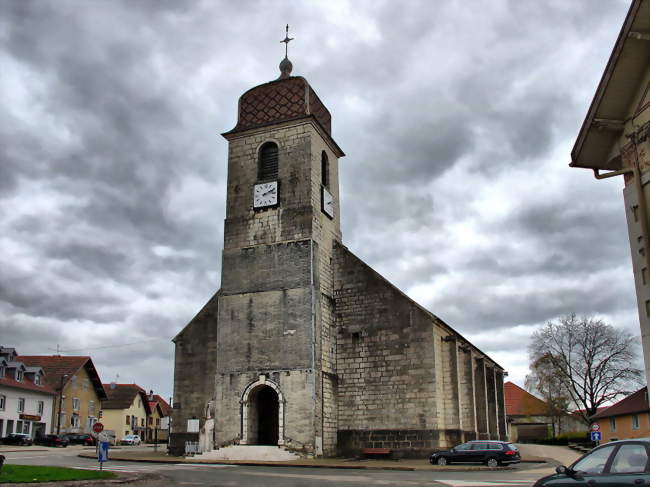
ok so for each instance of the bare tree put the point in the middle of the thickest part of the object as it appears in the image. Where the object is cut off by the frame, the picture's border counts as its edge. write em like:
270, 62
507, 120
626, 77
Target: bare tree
546, 381
592, 359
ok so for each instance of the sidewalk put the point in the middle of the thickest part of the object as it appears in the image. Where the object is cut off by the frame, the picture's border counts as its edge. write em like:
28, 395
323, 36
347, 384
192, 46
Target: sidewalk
341, 463
560, 455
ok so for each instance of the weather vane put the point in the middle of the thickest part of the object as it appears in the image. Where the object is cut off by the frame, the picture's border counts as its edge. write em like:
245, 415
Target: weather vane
286, 41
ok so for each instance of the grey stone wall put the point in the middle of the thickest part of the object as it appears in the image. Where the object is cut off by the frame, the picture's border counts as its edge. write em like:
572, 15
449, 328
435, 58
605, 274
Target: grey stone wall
194, 368
407, 381
385, 358
292, 219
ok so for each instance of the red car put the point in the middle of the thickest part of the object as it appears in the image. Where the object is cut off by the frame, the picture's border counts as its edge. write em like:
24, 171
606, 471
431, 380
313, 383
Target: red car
80, 439
52, 440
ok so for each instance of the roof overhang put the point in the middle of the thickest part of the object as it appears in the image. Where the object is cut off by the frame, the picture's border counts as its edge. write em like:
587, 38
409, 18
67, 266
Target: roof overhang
619, 86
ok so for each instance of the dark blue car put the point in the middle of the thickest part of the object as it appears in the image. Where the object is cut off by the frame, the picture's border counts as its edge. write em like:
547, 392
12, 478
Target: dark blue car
613, 464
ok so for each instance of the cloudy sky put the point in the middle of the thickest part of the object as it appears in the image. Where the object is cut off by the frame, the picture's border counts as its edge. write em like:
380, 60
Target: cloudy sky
457, 119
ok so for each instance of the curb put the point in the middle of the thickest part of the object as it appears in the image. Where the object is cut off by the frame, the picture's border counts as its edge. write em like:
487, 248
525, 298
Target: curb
252, 463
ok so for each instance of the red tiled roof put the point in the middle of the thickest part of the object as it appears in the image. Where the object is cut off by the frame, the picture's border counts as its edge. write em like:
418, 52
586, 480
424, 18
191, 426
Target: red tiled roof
164, 405
57, 366
520, 402
634, 403
578, 412
165, 409
26, 385
121, 396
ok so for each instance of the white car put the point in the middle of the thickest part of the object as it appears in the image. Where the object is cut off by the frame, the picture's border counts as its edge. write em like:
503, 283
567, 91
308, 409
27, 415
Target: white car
131, 440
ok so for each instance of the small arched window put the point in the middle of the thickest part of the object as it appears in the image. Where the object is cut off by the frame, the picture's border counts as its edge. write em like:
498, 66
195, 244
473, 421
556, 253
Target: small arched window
324, 170
268, 163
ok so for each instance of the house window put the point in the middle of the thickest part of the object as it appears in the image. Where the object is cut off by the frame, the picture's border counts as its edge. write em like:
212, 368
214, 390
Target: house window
37, 379
85, 385
150, 420
635, 422
157, 421
3, 401
76, 403
91, 407
612, 424
21, 404
41, 407
268, 162
324, 170
19, 375
2, 374
75, 421
128, 419
142, 422
139, 403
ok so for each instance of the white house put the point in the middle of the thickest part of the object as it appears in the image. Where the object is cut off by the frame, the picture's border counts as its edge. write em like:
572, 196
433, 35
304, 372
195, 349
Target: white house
26, 402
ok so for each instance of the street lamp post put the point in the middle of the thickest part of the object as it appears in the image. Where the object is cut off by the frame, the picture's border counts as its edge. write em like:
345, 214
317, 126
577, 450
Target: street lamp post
58, 423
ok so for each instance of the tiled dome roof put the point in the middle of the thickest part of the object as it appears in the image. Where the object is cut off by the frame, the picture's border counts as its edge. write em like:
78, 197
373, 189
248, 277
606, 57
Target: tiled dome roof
279, 101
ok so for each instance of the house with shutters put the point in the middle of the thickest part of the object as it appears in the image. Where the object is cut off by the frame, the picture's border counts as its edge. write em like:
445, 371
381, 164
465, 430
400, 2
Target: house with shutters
125, 410
26, 400
78, 388
158, 420
628, 418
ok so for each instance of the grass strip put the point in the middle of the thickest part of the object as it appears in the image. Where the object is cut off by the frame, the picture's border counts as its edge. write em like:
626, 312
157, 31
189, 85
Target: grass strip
32, 473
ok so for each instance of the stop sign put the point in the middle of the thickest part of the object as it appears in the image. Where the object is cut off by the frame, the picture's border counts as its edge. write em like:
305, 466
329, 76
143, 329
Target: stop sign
98, 427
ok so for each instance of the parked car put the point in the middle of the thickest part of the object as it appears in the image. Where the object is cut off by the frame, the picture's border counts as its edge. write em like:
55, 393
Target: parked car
80, 439
52, 440
131, 440
17, 439
613, 464
490, 452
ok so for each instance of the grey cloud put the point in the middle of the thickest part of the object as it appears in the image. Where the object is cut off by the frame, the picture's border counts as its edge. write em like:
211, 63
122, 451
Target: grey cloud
122, 101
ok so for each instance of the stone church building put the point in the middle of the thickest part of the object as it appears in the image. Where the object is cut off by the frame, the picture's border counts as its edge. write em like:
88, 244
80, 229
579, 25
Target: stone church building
306, 346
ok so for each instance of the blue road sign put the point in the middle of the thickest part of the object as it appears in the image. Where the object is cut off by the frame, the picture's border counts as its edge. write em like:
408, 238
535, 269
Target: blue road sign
596, 436
102, 452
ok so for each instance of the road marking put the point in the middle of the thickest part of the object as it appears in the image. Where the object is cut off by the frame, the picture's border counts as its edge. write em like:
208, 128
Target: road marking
366, 480
22, 457
486, 483
204, 465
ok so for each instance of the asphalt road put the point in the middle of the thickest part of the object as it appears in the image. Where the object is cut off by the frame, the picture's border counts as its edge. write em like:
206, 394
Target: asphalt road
246, 476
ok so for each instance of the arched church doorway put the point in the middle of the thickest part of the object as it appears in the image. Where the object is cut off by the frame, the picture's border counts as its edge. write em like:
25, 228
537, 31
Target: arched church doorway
262, 415
265, 403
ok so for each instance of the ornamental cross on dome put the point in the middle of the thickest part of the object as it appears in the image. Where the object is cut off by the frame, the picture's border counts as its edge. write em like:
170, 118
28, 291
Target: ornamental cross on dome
286, 41
285, 65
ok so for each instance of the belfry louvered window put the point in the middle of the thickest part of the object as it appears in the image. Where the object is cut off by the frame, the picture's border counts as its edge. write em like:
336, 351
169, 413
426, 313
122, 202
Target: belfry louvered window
268, 163
325, 170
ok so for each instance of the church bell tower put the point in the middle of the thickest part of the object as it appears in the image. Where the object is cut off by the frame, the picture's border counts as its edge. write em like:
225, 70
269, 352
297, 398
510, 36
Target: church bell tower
268, 333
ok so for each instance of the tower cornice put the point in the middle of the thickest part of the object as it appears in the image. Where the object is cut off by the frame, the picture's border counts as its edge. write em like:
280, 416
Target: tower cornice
309, 119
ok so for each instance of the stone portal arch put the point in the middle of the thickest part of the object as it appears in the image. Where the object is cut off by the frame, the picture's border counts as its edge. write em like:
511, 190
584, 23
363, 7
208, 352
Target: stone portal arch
262, 413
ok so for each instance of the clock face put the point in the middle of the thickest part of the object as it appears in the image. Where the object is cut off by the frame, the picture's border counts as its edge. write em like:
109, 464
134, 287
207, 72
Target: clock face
327, 201
265, 195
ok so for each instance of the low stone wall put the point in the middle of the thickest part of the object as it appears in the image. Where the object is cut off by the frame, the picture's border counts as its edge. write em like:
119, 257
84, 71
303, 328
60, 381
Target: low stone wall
177, 442
405, 443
